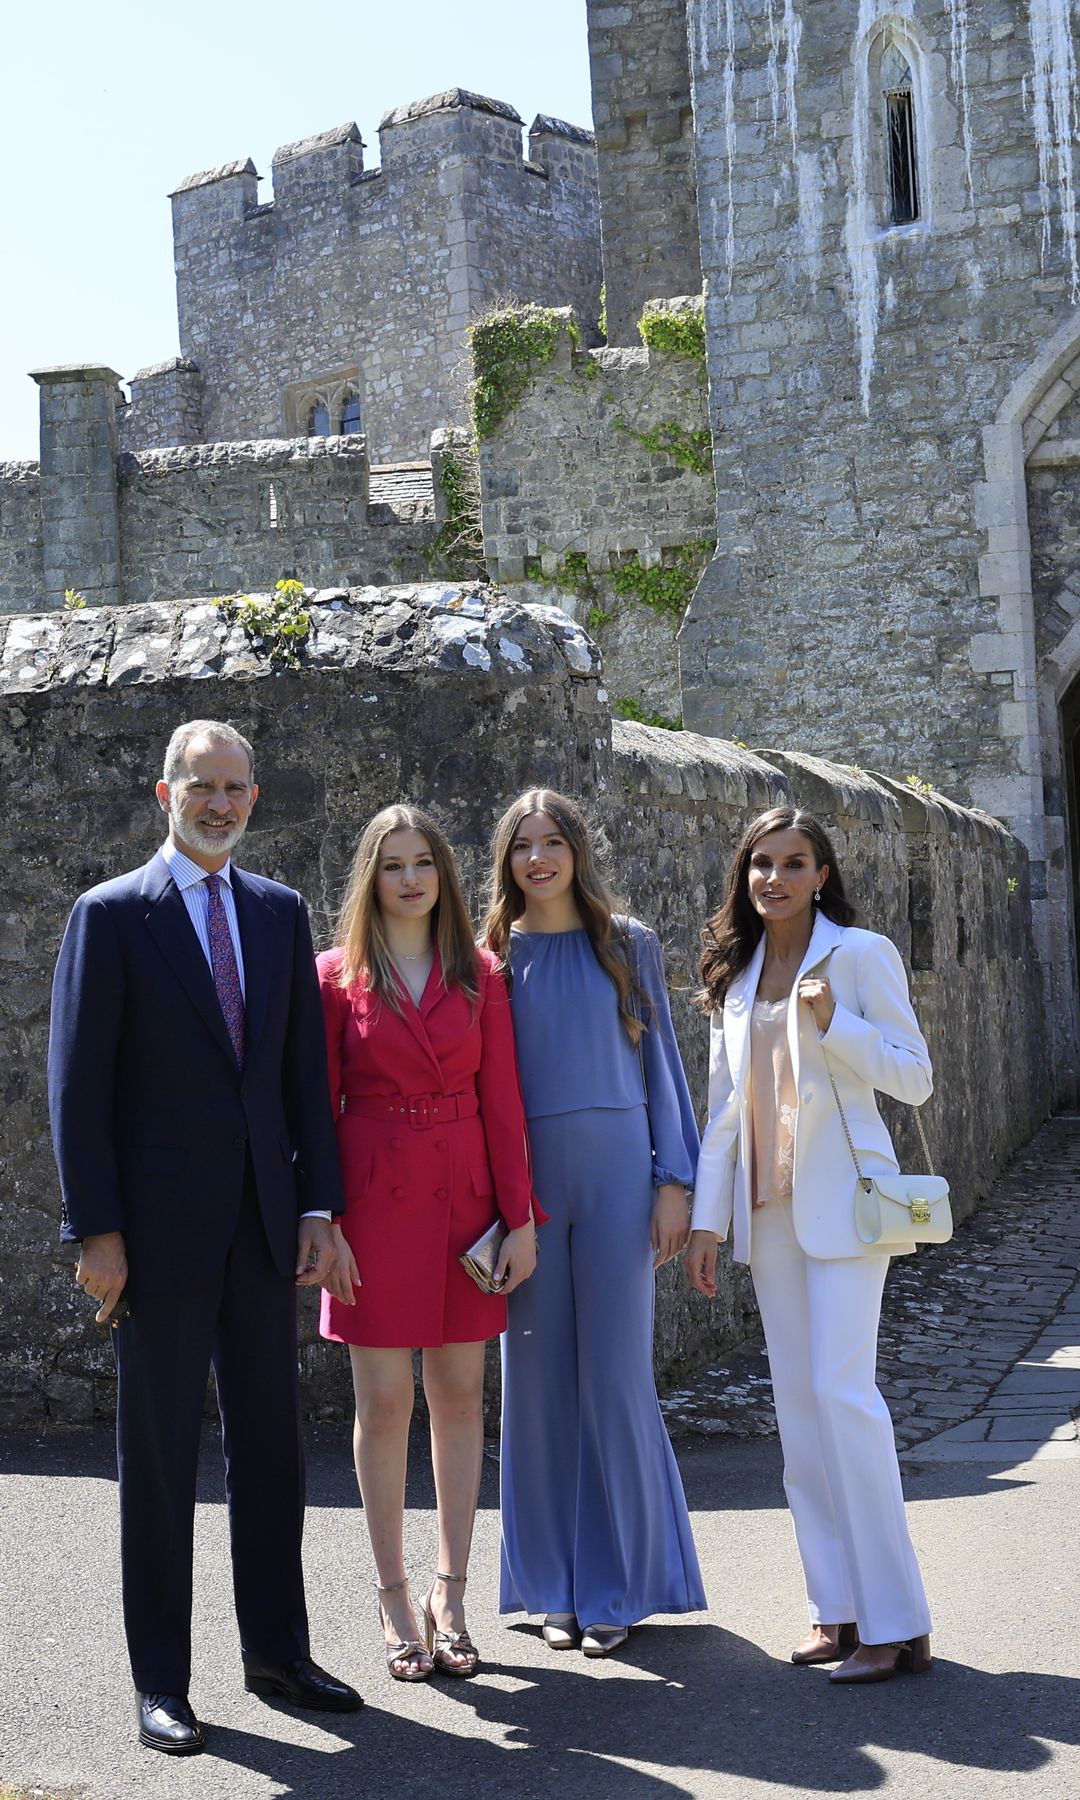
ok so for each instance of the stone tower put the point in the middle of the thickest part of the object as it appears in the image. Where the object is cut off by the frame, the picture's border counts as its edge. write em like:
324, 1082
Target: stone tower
342, 304
645, 156
888, 237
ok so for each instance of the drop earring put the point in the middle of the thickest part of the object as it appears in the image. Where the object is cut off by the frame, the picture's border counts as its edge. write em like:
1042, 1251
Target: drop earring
817, 896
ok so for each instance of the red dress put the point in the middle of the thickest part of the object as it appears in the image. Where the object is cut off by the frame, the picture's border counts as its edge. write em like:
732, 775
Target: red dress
431, 1136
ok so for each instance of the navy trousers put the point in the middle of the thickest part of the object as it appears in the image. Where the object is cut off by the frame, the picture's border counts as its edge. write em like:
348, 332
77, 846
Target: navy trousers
243, 1323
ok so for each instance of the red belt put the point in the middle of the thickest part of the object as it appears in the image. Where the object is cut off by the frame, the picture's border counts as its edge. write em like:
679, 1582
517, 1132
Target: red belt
421, 1112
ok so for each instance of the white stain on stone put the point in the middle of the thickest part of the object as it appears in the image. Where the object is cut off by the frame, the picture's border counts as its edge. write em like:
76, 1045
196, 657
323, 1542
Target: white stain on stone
811, 212
975, 280
1054, 116
889, 297
771, 65
513, 653
730, 135
792, 40
476, 656
861, 230
958, 50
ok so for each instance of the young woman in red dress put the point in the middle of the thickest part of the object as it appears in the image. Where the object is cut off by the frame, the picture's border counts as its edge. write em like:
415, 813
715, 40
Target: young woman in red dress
431, 1136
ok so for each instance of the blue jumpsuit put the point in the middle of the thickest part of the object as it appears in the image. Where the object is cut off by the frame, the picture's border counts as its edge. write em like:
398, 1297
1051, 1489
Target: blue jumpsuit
594, 1519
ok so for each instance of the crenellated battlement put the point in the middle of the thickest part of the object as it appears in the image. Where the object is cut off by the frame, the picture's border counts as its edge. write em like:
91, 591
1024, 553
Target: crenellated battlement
355, 285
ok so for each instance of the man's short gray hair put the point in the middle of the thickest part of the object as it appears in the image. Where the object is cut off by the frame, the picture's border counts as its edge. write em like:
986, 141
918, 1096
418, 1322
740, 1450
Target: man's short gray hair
210, 731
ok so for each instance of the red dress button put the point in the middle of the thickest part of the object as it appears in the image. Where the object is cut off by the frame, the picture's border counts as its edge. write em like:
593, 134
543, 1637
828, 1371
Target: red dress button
440, 1144
395, 1143
440, 1194
398, 1193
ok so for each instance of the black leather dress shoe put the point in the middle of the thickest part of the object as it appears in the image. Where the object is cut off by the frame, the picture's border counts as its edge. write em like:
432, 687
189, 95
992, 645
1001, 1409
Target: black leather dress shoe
301, 1683
166, 1722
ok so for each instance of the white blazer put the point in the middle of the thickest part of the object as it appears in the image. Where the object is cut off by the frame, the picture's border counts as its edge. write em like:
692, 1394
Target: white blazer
873, 1041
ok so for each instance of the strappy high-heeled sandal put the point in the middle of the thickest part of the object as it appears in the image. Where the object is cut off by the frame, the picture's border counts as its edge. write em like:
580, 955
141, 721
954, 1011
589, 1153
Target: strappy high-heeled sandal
445, 1646
417, 1660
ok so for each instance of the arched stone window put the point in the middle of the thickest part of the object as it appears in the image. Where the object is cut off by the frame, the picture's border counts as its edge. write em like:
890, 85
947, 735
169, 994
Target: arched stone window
901, 158
324, 406
892, 149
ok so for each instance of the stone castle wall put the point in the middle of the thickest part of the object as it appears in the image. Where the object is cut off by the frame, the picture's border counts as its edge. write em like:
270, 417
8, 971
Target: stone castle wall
370, 276
435, 695
875, 389
645, 156
22, 576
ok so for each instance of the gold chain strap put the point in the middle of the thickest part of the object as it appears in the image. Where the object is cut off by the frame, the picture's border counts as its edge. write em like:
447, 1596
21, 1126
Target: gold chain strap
864, 1179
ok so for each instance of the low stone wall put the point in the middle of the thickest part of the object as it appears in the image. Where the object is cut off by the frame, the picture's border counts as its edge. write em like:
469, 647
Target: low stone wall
213, 518
217, 518
438, 695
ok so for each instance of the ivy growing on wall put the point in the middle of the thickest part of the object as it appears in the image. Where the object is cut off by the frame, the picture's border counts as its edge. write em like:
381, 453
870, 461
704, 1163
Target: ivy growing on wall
666, 587
690, 449
680, 333
509, 343
459, 543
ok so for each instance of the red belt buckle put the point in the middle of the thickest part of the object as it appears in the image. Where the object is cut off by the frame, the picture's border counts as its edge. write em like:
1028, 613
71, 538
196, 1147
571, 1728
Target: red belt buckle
420, 1112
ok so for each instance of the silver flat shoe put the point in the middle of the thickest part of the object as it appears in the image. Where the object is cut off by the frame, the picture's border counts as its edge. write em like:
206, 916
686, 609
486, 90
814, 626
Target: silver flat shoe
561, 1631
601, 1640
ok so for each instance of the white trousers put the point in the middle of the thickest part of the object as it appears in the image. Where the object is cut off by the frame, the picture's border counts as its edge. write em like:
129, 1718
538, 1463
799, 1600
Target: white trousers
840, 1471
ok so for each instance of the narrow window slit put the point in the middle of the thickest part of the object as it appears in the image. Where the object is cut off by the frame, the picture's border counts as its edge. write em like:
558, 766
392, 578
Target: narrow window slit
273, 508
903, 180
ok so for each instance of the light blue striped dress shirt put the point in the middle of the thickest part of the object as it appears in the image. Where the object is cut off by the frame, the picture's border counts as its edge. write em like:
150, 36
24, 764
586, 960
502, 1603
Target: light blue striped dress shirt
191, 881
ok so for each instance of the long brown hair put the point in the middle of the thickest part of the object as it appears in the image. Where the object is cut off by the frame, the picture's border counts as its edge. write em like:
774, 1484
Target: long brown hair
594, 899
731, 936
360, 932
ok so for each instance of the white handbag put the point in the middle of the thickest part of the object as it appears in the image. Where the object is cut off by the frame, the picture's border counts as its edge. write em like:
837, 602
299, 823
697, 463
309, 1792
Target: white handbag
897, 1212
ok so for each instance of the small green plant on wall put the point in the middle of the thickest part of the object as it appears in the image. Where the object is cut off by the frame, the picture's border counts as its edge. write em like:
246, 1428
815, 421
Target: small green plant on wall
690, 449
73, 602
277, 623
680, 333
459, 543
626, 707
509, 343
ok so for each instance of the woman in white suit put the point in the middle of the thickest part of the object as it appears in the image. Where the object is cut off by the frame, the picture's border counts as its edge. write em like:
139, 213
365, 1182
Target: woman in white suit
795, 990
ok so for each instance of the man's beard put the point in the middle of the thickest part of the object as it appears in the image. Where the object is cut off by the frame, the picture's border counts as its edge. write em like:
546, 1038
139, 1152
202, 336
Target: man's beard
197, 837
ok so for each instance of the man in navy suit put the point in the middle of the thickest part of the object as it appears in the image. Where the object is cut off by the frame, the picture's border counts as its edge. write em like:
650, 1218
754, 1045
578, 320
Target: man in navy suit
193, 1134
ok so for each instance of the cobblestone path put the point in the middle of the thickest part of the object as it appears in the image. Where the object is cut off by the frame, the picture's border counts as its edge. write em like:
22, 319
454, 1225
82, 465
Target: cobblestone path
956, 1317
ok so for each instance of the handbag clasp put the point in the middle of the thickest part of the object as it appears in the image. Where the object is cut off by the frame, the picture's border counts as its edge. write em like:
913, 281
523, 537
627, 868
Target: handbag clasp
920, 1212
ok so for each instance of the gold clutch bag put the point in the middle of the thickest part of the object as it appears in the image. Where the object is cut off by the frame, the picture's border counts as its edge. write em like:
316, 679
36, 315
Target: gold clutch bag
481, 1259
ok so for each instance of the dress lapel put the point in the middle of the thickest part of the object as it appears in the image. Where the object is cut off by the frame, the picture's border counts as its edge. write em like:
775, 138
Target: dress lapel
168, 923
416, 1017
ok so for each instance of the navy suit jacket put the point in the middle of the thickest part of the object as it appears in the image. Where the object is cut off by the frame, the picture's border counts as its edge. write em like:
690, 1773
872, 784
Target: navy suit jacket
152, 1119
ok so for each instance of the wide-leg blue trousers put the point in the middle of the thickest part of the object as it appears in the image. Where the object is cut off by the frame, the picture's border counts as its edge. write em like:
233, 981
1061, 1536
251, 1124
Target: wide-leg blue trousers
594, 1519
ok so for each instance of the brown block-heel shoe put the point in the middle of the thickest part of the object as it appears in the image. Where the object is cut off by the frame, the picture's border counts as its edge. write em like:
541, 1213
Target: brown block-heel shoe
825, 1644
911, 1657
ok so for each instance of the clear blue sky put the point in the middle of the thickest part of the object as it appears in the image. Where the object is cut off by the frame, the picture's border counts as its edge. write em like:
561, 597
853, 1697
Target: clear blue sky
109, 106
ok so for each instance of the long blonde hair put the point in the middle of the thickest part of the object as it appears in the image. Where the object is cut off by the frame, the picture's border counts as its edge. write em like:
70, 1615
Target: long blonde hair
360, 934
595, 901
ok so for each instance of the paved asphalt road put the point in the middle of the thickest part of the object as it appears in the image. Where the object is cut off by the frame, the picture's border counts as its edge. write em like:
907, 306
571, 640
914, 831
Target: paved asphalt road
707, 1706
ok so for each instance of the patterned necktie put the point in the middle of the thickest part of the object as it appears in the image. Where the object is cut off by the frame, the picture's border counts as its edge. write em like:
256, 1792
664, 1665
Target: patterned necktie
223, 964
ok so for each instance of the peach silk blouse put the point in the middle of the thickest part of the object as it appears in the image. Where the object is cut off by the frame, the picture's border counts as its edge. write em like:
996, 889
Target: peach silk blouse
773, 1103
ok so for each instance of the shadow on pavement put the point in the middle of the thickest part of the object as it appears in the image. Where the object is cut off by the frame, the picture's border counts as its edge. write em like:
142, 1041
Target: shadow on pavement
732, 1710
